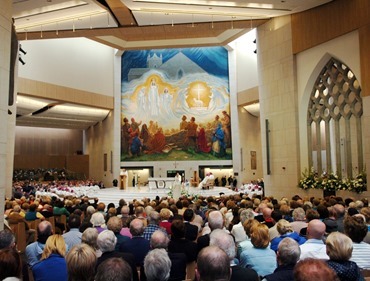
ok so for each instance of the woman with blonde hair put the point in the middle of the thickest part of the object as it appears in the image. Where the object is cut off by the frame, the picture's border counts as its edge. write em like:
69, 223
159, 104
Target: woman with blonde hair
260, 257
339, 249
285, 229
81, 262
165, 215
52, 265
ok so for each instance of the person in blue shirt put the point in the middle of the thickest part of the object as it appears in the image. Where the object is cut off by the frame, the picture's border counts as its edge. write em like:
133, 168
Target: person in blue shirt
285, 229
52, 266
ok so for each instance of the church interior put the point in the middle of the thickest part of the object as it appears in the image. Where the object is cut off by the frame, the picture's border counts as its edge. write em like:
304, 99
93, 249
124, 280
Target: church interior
299, 87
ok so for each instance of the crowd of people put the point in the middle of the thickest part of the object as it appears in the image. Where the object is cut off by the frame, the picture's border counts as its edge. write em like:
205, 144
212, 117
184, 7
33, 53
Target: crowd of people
76, 188
205, 238
42, 174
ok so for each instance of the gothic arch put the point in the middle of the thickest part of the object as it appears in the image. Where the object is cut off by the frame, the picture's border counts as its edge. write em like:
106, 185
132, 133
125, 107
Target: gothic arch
334, 130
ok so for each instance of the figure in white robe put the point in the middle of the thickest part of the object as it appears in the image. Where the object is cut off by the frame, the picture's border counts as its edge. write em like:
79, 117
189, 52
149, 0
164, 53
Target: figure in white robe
141, 100
167, 101
153, 99
208, 177
177, 187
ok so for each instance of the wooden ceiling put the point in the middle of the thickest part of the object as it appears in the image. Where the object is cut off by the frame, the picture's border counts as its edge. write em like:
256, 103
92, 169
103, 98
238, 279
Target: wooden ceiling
142, 24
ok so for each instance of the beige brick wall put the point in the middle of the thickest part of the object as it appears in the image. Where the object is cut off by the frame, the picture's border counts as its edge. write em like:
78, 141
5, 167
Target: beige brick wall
279, 105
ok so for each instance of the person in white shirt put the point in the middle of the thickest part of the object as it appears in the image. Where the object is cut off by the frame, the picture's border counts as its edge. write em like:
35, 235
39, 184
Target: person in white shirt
314, 247
238, 229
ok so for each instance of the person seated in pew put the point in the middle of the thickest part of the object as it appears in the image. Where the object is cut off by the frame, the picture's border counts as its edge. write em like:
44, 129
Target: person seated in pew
14, 217
35, 249
32, 214
8, 242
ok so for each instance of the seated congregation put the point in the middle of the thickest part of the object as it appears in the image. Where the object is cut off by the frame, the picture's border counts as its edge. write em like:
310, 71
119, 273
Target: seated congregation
206, 238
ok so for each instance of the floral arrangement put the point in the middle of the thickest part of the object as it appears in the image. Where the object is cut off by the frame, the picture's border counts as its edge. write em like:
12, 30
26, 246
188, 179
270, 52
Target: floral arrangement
332, 182
184, 192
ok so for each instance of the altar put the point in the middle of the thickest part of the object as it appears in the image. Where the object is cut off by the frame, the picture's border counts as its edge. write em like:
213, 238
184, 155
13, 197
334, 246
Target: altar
160, 182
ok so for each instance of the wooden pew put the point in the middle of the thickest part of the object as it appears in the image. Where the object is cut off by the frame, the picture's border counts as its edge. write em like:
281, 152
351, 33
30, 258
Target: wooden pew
62, 219
366, 274
33, 225
19, 230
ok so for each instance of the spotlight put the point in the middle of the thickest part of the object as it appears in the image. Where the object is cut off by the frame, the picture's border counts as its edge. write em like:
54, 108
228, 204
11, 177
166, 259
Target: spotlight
21, 50
22, 61
255, 51
255, 41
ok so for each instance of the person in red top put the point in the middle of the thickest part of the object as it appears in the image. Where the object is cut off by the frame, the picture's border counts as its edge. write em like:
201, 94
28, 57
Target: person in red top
202, 141
165, 223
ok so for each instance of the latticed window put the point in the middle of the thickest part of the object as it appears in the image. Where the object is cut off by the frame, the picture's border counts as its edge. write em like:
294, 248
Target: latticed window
334, 121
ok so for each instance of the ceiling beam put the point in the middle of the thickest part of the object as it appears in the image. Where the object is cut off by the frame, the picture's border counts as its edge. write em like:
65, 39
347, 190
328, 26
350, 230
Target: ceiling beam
122, 13
58, 93
156, 36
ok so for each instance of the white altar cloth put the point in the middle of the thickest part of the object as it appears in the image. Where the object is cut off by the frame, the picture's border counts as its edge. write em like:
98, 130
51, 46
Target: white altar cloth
160, 182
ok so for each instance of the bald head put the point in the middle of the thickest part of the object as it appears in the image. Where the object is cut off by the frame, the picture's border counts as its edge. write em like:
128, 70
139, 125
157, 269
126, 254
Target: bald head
266, 212
315, 229
43, 226
44, 230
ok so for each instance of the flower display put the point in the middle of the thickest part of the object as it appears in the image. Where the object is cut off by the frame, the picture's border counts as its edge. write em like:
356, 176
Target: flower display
332, 182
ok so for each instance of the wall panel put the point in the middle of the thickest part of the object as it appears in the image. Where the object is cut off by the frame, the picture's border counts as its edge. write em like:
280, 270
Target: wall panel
74, 163
316, 26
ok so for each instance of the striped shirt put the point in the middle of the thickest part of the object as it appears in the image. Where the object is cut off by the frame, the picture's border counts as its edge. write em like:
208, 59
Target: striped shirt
361, 255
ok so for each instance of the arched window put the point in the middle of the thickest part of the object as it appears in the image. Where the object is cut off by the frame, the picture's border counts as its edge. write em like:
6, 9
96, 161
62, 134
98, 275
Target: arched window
334, 121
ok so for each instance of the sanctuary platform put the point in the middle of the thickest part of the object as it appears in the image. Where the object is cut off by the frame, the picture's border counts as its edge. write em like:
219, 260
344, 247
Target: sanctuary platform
114, 194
